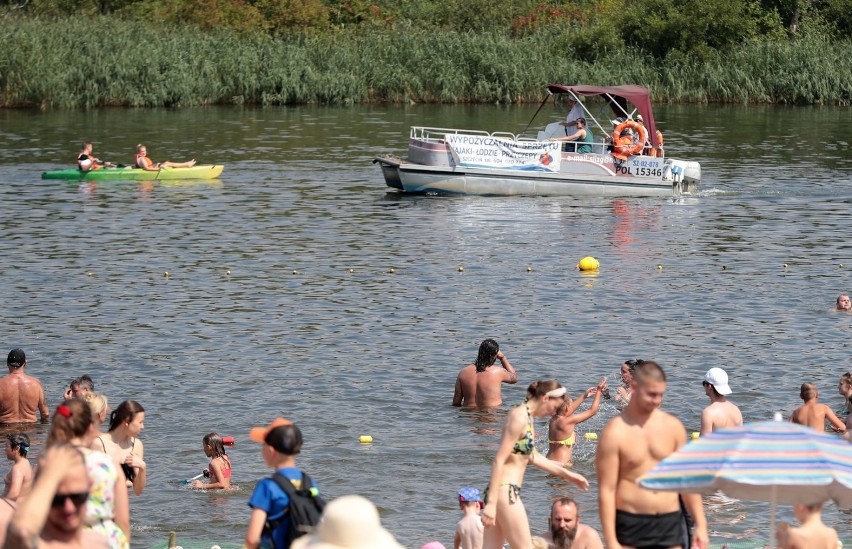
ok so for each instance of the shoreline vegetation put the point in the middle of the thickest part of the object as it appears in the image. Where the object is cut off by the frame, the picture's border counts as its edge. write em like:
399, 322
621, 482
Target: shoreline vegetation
102, 61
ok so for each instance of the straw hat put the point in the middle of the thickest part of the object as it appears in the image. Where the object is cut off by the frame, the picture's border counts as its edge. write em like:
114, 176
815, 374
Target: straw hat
349, 522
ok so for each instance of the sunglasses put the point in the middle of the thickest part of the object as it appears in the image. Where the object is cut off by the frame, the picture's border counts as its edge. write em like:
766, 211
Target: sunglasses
77, 499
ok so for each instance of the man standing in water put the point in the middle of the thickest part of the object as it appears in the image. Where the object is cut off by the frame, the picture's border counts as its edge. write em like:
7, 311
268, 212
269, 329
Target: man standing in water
478, 384
720, 413
20, 394
631, 444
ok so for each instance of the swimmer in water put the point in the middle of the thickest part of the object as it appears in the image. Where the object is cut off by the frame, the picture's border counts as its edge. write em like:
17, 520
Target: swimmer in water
814, 414
625, 392
561, 435
219, 469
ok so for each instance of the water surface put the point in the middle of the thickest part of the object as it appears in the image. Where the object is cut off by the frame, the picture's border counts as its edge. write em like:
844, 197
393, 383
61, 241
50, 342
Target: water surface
261, 317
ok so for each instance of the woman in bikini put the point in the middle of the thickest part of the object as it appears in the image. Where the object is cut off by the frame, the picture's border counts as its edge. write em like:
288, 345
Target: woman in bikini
504, 516
125, 424
560, 432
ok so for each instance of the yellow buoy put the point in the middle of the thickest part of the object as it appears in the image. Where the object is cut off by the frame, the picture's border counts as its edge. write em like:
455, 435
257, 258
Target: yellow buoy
461, 269
166, 274
659, 267
391, 270
529, 269
695, 435
295, 272
351, 270
588, 263
90, 273
785, 265
365, 439
590, 436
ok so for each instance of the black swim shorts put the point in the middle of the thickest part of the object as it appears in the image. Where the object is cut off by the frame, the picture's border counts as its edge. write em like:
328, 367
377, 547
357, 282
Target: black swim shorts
649, 531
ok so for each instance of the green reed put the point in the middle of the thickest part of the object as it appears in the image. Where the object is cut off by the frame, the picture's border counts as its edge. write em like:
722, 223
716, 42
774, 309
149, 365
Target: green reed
49, 64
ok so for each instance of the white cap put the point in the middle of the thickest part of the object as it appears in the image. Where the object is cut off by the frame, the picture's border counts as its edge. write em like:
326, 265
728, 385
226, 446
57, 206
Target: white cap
718, 378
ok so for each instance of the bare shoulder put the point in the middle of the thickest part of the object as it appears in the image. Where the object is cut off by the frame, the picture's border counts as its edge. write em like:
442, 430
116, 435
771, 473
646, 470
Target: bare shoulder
669, 420
467, 371
612, 434
588, 537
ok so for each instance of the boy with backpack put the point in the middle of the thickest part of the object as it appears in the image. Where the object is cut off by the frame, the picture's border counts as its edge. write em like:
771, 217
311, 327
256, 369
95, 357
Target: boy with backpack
286, 505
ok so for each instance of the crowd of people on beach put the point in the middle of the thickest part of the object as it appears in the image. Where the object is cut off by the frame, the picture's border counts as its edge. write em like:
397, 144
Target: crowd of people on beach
78, 495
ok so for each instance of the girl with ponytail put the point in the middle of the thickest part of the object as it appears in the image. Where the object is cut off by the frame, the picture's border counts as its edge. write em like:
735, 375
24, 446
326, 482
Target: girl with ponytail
108, 508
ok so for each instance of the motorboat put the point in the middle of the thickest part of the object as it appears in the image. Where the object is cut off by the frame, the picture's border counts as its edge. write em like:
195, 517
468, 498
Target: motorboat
626, 156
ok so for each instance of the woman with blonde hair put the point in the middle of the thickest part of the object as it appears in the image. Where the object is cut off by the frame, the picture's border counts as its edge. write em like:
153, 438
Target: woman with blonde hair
560, 432
504, 516
108, 507
100, 408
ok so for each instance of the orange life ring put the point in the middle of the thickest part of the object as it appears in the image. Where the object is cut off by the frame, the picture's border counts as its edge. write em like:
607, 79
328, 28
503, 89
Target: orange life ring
623, 150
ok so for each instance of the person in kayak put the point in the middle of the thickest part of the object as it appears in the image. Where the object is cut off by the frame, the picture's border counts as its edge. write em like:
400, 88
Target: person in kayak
87, 162
142, 161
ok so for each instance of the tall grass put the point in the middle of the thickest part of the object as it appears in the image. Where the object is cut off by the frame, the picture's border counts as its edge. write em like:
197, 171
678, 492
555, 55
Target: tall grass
48, 64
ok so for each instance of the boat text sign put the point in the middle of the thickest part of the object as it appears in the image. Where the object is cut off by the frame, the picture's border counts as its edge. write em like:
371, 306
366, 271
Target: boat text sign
485, 151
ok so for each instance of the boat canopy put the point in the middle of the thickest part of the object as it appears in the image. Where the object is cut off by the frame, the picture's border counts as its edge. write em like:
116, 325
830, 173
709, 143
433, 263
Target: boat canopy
618, 97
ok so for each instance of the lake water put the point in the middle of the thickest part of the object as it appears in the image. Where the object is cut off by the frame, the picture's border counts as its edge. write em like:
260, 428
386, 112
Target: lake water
292, 332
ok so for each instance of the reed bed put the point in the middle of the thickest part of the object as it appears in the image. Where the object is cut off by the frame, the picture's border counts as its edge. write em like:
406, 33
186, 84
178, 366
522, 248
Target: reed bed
45, 64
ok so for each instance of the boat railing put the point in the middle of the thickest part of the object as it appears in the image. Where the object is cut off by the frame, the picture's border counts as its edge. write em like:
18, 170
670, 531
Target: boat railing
436, 135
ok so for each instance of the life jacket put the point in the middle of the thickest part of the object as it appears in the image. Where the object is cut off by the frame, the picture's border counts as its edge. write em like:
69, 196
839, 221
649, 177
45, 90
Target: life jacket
143, 161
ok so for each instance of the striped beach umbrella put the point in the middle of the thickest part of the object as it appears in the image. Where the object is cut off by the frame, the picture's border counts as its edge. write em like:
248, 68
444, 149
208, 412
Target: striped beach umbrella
766, 461
774, 461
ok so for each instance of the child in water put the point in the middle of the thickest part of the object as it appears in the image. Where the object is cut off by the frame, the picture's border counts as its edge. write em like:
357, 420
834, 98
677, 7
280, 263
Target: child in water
20, 478
220, 464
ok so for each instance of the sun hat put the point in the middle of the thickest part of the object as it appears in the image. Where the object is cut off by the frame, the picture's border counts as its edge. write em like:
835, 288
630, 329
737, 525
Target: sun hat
349, 522
469, 493
718, 378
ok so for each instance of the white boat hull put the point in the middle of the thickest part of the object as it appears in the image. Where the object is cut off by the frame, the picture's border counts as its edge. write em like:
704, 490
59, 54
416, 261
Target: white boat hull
421, 178
455, 161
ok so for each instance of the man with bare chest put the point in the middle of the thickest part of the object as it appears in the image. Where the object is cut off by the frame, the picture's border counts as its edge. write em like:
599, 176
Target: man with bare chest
630, 445
21, 395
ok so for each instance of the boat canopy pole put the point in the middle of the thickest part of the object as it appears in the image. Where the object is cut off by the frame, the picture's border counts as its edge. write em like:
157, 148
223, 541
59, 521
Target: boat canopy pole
546, 97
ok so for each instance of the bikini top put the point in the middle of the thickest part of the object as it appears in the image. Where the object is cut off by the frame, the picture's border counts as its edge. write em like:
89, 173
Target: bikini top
526, 444
226, 473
